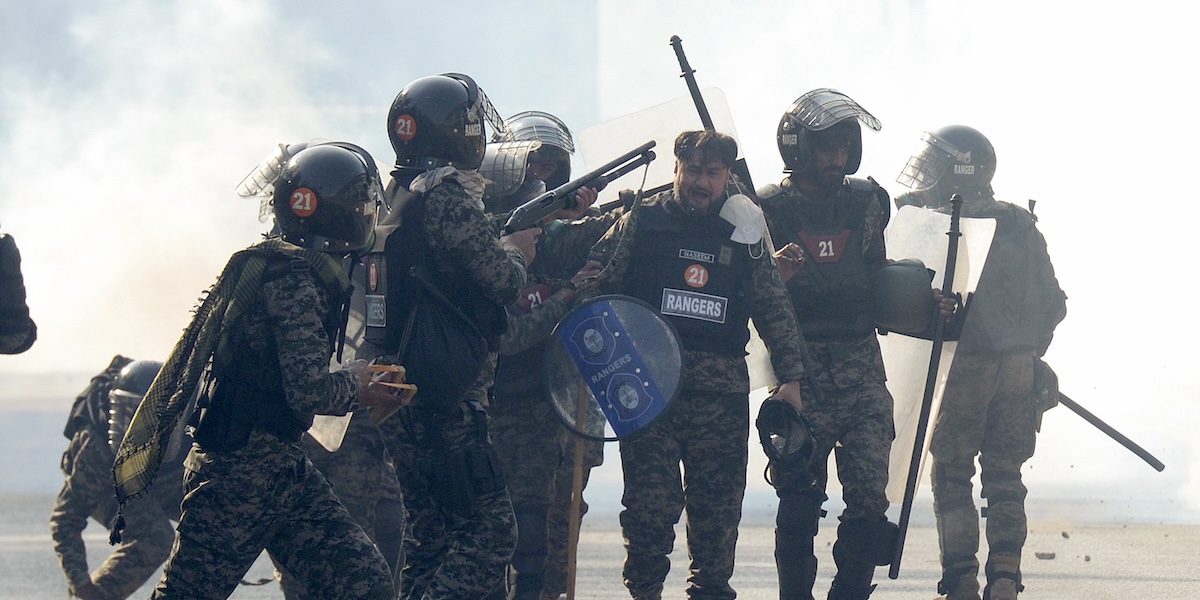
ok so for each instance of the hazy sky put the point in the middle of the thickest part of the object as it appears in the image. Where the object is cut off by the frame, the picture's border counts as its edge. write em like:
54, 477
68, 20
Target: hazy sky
124, 127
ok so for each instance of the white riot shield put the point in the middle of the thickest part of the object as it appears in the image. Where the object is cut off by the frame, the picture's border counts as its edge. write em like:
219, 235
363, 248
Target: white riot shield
599, 143
921, 233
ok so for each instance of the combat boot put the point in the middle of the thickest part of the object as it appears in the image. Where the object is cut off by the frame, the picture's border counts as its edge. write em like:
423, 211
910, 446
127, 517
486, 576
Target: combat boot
841, 591
1003, 578
960, 583
526, 586
967, 589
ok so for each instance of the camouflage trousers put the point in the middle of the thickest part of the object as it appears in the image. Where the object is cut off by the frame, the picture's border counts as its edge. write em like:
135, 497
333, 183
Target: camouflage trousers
364, 481
708, 434
855, 423
461, 530
267, 495
528, 438
559, 520
987, 411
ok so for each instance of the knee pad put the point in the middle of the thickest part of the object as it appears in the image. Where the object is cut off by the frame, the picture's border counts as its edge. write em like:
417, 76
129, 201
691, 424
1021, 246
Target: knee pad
799, 513
868, 541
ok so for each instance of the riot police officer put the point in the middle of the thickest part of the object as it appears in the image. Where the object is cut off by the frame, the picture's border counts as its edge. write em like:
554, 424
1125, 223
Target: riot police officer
269, 325
97, 424
830, 229
988, 408
702, 257
445, 250
531, 443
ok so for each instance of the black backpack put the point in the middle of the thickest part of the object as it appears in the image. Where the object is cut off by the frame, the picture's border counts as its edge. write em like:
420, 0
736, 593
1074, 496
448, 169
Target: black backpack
91, 405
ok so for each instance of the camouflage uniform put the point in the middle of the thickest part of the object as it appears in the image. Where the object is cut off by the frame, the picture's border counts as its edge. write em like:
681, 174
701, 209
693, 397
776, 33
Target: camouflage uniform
529, 438
88, 492
852, 415
361, 475
988, 409
461, 530
254, 490
706, 427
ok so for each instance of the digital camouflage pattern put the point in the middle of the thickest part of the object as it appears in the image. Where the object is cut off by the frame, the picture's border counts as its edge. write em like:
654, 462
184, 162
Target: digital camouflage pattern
706, 429
461, 531
558, 520
361, 475
88, 492
457, 543
852, 414
706, 432
525, 427
266, 494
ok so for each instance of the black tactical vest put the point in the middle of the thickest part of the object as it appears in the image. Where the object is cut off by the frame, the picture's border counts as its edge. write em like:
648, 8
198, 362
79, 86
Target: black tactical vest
689, 270
831, 294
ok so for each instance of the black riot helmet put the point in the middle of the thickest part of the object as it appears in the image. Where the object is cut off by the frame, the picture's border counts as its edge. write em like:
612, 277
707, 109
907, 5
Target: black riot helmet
326, 197
438, 121
815, 112
557, 145
126, 394
785, 434
955, 159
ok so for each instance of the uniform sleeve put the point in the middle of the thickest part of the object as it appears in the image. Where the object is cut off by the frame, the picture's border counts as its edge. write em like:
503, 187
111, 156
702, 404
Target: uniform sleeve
774, 317
456, 224
295, 307
573, 240
874, 251
613, 254
526, 330
88, 470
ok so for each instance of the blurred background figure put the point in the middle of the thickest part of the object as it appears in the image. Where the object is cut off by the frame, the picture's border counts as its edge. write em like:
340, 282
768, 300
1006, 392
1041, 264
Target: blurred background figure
17, 329
98, 421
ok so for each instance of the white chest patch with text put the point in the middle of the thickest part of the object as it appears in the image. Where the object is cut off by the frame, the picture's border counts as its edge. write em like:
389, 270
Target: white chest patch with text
681, 303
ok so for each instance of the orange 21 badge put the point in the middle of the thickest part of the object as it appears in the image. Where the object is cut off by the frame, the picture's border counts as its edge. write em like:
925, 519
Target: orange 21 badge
304, 202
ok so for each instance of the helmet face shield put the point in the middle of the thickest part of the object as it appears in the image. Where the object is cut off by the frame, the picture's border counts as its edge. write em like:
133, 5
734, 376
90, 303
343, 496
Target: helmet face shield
126, 395
926, 166
505, 164
556, 145
785, 434
823, 108
958, 157
817, 111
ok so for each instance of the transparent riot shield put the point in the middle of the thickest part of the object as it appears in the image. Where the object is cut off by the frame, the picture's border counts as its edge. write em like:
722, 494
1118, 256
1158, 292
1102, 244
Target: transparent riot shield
612, 368
662, 123
921, 233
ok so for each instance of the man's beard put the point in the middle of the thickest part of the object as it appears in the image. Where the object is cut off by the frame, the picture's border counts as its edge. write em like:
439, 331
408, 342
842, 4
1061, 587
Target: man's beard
829, 180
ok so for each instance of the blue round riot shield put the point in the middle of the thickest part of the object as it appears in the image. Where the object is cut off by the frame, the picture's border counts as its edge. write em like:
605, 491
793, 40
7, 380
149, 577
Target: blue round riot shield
613, 366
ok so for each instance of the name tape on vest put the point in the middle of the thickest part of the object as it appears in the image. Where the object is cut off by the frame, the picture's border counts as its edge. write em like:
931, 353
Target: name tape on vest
681, 303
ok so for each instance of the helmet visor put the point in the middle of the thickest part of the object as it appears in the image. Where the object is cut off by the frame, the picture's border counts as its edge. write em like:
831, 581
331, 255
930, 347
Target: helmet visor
823, 108
926, 166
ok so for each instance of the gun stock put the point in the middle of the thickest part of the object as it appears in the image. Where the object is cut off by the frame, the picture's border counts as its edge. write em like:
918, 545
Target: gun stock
532, 213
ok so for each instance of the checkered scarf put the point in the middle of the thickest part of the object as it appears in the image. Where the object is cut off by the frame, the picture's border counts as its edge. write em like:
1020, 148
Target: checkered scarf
141, 452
